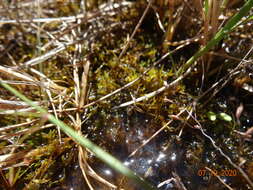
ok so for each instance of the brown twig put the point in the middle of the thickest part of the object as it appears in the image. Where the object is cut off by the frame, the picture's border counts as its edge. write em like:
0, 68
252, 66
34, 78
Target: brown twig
226, 185
136, 28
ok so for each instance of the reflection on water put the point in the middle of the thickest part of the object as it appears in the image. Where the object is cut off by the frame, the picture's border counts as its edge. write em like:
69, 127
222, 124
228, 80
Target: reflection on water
156, 161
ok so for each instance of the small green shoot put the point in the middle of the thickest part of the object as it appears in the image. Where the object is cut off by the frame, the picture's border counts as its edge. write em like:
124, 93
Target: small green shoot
211, 115
223, 116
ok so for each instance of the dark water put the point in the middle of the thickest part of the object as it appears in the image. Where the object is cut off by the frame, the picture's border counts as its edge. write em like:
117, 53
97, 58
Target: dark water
164, 155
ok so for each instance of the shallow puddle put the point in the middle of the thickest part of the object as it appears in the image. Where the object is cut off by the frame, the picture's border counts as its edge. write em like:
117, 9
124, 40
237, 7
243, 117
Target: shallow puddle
159, 161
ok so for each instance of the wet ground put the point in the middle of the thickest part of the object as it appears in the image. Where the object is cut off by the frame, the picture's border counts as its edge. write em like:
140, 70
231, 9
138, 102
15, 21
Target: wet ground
177, 154
165, 156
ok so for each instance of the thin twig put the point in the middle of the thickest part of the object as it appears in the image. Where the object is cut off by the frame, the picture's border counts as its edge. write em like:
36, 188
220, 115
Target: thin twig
154, 135
230, 188
154, 93
135, 30
224, 80
178, 181
11, 127
246, 177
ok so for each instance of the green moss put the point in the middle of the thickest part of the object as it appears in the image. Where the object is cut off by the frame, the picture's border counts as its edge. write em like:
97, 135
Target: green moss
107, 73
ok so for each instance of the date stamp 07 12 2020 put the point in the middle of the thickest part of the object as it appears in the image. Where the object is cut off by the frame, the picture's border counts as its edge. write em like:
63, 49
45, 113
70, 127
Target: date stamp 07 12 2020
220, 173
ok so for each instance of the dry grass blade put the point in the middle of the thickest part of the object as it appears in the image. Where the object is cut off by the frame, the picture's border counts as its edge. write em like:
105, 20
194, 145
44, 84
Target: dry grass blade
27, 131
136, 28
158, 91
154, 135
10, 127
13, 105
7, 160
222, 181
111, 72
12, 72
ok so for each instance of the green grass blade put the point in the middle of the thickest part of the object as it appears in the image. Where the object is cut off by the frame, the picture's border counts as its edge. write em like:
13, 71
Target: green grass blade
98, 152
219, 35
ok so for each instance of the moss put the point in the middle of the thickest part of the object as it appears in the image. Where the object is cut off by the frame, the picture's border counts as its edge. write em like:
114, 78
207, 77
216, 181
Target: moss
46, 157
